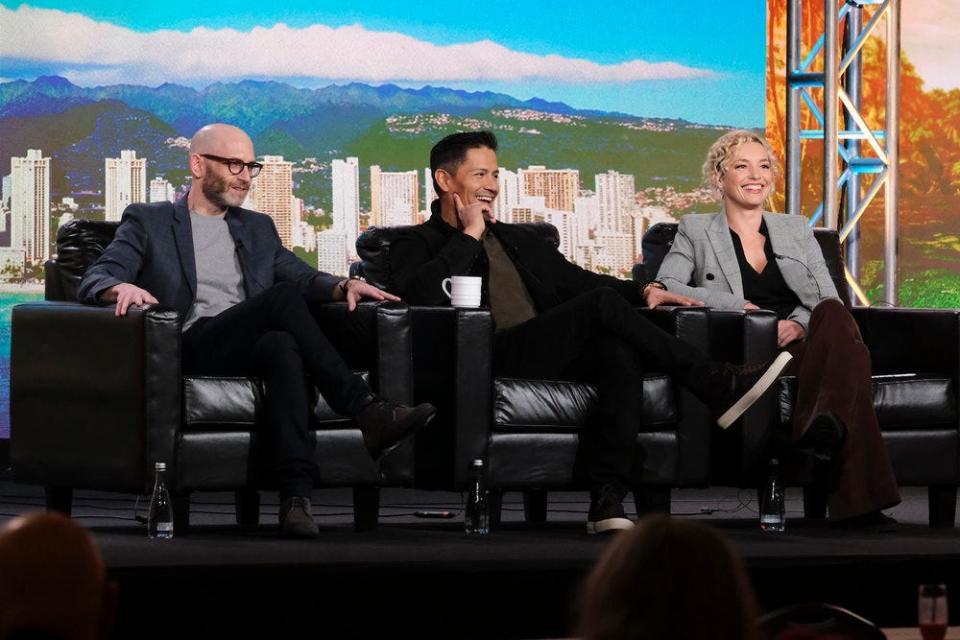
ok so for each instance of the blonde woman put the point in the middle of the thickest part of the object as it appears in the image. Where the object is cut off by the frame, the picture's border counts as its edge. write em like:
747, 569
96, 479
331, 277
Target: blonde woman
747, 258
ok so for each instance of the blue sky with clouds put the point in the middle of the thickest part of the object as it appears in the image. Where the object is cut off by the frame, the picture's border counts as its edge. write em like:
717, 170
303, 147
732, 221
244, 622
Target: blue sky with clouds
700, 60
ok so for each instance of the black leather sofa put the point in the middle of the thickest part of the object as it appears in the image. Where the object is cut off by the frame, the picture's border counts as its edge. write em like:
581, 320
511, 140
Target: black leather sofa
96, 399
916, 366
527, 430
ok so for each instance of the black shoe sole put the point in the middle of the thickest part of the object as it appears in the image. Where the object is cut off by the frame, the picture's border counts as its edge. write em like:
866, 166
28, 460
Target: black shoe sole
755, 392
609, 525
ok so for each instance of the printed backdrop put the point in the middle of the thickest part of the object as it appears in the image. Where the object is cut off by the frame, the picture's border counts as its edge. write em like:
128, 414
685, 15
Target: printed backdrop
604, 112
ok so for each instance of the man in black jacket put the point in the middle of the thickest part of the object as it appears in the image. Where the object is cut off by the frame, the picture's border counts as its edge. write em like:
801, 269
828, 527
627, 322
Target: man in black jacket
554, 319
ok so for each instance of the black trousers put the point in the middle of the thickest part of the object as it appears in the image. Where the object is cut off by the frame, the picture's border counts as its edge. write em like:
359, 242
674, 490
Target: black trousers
273, 336
599, 337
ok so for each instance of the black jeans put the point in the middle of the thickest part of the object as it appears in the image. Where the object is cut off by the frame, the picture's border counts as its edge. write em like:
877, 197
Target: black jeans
598, 337
274, 336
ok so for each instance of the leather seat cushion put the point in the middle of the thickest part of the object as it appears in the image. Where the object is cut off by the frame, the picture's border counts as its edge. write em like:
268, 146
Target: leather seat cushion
550, 405
220, 461
904, 402
229, 403
546, 460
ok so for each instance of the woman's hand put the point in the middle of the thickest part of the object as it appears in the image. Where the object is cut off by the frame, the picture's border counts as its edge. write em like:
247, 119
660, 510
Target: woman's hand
788, 331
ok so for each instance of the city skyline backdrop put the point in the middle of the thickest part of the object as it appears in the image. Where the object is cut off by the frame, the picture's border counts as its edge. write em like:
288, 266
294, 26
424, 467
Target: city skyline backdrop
592, 102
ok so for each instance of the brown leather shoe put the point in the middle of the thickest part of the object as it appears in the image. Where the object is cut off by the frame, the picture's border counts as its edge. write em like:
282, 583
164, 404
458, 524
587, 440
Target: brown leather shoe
386, 424
296, 519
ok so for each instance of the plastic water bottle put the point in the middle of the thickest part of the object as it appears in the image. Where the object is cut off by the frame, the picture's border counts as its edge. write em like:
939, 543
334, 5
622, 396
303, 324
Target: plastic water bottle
477, 512
160, 516
772, 504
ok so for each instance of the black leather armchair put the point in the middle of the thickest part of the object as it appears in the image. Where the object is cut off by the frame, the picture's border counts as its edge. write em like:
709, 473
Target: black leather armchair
916, 367
527, 430
96, 399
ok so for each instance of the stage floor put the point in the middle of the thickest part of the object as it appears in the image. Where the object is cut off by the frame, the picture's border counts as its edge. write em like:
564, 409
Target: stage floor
425, 576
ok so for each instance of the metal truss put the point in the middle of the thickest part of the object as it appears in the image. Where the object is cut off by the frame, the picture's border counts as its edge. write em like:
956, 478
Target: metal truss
841, 81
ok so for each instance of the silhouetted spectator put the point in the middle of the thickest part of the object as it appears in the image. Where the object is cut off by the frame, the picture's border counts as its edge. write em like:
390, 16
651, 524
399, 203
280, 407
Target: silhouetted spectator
668, 578
52, 581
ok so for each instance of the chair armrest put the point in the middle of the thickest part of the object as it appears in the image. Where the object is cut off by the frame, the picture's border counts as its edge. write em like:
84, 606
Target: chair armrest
474, 376
904, 340
452, 350
375, 336
95, 400
743, 337
690, 324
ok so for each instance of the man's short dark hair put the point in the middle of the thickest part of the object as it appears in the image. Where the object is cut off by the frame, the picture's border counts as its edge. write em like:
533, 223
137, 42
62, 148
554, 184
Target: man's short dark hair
449, 153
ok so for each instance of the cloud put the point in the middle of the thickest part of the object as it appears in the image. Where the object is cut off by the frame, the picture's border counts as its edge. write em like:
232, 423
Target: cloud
91, 52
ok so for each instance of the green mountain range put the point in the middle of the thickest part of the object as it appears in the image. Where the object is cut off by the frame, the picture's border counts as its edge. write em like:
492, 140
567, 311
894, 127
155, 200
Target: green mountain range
386, 125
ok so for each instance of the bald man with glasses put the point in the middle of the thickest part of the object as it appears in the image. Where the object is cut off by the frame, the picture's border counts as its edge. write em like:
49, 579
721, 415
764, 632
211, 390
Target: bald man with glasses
242, 298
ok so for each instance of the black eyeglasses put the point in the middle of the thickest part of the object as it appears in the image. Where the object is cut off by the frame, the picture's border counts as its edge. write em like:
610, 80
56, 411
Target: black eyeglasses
235, 165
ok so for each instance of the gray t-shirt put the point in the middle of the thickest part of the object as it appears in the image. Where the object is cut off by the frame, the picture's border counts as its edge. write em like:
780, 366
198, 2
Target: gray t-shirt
219, 277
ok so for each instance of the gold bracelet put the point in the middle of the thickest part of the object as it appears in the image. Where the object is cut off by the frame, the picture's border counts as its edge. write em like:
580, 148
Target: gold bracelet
343, 283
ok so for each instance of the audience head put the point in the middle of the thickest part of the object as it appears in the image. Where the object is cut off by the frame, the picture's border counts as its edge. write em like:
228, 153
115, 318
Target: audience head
52, 580
730, 149
451, 152
668, 578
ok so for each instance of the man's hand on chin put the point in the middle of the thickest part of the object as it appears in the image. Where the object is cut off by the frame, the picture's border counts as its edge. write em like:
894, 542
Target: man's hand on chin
473, 216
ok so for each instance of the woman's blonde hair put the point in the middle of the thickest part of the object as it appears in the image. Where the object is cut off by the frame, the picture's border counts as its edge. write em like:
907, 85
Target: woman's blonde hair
720, 151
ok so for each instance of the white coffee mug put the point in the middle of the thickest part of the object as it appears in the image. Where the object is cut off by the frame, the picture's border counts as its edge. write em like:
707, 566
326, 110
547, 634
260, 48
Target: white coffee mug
463, 291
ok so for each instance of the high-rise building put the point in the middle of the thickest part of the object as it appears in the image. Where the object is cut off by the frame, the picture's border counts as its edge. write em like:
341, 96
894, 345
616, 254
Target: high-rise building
586, 214
563, 222
330, 255
559, 187
6, 185
309, 236
162, 191
125, 181
296, 217
345, 176
508, 197
615, 192
272, 195
613, 252
30, 205
429, 193
394, 197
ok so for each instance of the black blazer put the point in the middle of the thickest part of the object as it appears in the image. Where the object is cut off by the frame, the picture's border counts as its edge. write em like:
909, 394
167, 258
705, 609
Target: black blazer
423, 255
153, 249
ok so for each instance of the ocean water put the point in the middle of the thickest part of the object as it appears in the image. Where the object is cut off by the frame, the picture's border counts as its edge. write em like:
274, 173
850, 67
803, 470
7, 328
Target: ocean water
7, 302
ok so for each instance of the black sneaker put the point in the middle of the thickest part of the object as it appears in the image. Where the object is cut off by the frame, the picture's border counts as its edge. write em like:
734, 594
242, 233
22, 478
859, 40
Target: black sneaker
606, 510
824, 438
741, 387
296, 519
385, 424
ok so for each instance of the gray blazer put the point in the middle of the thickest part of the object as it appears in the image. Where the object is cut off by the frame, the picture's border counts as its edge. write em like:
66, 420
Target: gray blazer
703, 263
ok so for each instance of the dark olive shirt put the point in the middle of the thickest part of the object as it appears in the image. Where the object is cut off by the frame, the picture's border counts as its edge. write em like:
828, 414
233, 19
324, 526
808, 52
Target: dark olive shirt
766, 289
510, 302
